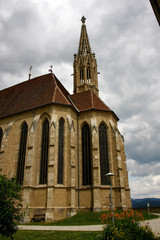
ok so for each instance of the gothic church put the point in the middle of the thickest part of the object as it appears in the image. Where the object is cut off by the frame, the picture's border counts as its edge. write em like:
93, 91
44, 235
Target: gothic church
59, 146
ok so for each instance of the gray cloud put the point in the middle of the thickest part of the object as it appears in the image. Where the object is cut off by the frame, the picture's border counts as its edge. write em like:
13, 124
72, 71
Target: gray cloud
137, 169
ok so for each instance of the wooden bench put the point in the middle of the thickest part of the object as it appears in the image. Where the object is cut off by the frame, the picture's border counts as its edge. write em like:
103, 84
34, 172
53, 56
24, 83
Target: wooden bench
38, 218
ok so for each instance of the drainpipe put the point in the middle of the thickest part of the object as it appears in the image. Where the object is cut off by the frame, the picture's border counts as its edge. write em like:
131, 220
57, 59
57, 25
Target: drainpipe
78, 157
78, 112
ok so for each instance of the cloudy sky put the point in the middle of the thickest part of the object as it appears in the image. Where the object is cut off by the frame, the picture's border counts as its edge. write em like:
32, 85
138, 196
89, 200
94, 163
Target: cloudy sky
125, 37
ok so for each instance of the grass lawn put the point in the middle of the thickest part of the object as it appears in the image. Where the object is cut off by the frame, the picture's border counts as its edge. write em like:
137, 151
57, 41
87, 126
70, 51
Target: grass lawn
83, 218
152, 216
80, 219
53, 235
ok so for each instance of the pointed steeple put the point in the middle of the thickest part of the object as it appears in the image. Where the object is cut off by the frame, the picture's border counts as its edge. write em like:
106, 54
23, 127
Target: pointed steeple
84, 46
85, 64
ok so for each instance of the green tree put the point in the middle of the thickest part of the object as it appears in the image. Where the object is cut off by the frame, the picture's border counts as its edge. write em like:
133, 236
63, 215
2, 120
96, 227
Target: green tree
10, 205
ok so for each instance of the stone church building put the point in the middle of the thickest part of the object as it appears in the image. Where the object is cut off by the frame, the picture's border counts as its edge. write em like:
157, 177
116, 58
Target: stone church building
59, 146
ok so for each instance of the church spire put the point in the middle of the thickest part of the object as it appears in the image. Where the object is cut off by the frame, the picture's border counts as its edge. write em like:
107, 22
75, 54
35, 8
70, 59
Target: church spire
85, 64
84, 46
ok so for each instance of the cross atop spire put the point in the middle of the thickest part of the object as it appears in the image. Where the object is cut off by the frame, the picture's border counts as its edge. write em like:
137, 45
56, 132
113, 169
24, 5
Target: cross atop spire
83, 19
84, 45
30, 72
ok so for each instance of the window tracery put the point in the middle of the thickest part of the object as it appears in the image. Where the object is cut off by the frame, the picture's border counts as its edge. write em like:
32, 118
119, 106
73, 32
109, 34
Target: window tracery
44, 152
86, 155
22, 153
103, 147
60, 151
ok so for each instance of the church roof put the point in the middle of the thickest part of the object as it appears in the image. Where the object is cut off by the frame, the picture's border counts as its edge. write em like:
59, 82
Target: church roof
37, 92
156, 8
45, 90
88, 100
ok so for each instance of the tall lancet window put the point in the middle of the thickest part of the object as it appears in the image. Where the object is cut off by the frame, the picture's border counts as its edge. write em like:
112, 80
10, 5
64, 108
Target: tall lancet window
1, 135
86, 155
60, 151
44, 153
88, 75
104, 160
81, 75
22, 153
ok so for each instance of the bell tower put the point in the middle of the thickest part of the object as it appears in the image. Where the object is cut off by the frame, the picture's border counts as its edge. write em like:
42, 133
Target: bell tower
85, 65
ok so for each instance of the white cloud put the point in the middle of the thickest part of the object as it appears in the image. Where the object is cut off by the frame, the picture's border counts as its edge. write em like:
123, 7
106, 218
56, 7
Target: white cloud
145, 187
144, 179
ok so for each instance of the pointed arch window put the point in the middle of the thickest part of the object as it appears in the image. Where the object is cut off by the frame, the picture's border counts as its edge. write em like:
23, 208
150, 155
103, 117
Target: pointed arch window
86, 155
60, 151
22, 153
103, 147
81, 75
88, 75
1, 136
44, 152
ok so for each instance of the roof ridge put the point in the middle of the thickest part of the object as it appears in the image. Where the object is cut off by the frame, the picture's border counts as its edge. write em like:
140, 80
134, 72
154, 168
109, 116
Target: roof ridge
92, 98
54, 95
57, 87
59, 84
69, 96
102, 101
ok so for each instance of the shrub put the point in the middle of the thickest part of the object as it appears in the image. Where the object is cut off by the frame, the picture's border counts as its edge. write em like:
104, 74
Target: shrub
10, 204
126, 226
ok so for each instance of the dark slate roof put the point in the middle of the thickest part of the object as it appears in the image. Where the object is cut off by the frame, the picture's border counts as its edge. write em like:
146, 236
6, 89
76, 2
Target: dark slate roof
88, 100
156, 8
44, 90
31, 94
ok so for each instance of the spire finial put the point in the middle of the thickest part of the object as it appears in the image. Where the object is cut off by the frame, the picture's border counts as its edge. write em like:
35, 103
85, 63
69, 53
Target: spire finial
83, 19
30, 72
50, 70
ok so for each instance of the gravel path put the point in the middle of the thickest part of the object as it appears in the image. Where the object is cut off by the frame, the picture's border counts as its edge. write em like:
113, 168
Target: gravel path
154, 225
88, 228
